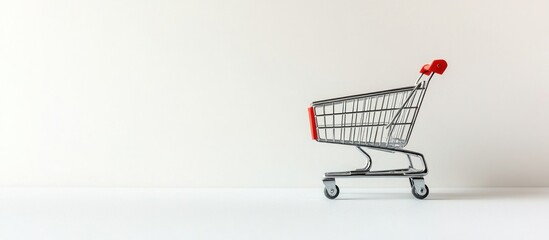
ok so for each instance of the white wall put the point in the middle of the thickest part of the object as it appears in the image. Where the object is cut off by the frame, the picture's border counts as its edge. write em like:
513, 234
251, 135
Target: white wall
214, 93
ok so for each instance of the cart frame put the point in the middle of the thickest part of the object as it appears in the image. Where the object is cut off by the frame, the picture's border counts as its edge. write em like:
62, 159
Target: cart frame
381, 121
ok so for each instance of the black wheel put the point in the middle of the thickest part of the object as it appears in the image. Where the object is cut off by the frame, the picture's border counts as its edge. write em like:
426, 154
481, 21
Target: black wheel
422, 194
332, 194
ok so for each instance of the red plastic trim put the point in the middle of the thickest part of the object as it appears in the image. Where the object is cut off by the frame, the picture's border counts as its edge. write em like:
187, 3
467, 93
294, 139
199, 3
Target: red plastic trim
437, 66
312, 121
425, 69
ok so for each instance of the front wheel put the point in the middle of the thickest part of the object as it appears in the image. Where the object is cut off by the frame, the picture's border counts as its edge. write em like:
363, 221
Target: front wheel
420, 193
332, 193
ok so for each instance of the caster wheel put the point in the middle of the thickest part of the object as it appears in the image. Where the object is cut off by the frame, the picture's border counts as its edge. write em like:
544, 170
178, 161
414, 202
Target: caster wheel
333, 193
420, 193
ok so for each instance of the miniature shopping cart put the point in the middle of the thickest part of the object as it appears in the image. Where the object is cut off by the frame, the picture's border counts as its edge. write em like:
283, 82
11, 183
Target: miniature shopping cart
381, 120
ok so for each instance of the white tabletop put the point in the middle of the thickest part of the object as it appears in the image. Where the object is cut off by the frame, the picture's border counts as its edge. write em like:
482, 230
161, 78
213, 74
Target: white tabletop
179, 213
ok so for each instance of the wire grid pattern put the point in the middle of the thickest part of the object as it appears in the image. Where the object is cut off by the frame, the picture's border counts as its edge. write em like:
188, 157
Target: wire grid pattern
363, 119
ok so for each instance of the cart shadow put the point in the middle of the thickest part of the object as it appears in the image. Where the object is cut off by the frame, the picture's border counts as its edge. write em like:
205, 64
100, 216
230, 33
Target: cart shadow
452, 195
374, 196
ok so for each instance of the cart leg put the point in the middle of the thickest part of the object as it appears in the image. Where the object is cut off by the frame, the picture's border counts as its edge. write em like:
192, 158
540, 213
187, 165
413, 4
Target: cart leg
411, 183
410, 161
331, 190
368, 165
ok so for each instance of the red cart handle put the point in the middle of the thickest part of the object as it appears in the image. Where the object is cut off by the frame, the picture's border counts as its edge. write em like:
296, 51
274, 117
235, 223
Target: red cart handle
438, 66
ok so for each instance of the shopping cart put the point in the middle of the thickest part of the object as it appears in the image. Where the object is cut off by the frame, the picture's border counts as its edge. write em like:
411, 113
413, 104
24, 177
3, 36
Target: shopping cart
381, 120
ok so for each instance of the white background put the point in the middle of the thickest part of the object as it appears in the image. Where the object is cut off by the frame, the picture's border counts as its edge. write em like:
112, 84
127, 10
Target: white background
214, 93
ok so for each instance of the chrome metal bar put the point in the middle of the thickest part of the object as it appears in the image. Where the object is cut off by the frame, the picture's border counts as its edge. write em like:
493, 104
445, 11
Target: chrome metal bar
419, 105
339, 99
379, 118
342, 131
403, 105
365, 125
368, 165
360, 133
365, 111
410, 161
384, 174
353, 121
325, 130
333, 121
